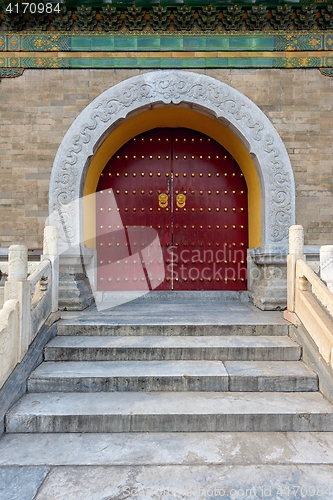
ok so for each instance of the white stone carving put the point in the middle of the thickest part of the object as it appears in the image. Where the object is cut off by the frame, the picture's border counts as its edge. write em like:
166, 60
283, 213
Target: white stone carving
17, 263
50, 244
326, 265
296, 251
207, 95
50, 252
296, 240
9, 339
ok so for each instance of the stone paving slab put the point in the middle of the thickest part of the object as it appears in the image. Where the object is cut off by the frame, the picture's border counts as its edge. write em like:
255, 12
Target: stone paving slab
170, 411
181, 448
152, 466
99, 348
189, 482
290, 376
21, 483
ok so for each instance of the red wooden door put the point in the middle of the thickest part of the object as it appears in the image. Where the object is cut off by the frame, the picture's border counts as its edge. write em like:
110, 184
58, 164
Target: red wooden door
189, 188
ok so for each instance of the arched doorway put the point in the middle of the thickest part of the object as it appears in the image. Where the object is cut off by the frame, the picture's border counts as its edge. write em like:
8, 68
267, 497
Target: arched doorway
113, 118
191, 191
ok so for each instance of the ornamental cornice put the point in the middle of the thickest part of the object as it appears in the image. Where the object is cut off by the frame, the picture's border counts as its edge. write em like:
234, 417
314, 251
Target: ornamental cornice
177, 18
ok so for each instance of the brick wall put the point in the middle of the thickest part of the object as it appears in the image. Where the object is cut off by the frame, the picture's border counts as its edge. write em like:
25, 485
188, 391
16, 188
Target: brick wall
38, 107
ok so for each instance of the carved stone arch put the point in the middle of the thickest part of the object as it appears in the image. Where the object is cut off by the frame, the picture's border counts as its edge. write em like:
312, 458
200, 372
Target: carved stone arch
213, 98
225, 103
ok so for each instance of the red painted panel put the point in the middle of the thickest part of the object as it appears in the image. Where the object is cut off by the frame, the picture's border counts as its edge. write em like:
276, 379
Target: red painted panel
204, 239
137, 174
210, 232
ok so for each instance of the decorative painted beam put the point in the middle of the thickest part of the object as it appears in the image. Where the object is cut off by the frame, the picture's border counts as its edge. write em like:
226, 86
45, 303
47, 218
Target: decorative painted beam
278, 36
170, 60
101, 42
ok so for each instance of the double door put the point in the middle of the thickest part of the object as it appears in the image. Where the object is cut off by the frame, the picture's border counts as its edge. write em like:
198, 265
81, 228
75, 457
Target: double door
188, 188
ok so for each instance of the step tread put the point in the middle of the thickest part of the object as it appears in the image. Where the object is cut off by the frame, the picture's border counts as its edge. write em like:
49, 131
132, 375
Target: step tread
156, 327
170, 411
90, 369
173, 403
269, 369
172, 341
177, 312
127, 348
245, 318
88, 376
289, 376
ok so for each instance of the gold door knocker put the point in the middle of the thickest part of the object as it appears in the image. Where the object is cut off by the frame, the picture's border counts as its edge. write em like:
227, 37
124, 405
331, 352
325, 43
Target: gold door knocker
180, 200
163, 200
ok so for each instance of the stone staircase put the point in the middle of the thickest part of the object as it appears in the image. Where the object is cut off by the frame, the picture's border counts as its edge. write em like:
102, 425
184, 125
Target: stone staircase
102, 375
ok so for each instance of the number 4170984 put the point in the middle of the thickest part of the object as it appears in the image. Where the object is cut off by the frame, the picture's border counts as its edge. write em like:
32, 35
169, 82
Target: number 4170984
32, 8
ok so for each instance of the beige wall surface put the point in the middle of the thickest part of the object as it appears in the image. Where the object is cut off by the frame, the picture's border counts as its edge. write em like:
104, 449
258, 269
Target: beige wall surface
38, 107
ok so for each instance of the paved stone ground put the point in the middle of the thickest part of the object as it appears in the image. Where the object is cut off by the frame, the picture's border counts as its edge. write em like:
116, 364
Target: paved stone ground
153, 466
167, 466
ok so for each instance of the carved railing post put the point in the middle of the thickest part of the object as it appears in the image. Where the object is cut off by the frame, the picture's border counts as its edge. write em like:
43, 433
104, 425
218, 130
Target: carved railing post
17, 263
326, 265
17, 287
296, 251
50, 251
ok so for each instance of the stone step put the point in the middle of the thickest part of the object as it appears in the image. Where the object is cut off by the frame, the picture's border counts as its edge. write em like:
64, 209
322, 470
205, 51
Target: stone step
170, 412
96, 376
104, 327
175, 376
156, 348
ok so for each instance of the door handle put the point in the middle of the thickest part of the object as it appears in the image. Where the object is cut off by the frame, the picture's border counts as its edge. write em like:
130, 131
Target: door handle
163, 200
181, 200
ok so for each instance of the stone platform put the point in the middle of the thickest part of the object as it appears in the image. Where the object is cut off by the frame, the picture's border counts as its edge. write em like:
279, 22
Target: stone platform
110, 413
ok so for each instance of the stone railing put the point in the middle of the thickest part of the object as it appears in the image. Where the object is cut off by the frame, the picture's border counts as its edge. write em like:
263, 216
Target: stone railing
28, 300
310, 298
32, 265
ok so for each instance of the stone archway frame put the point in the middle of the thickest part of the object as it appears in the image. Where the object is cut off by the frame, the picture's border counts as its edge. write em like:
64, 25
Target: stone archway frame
207, 95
